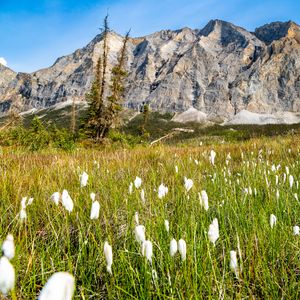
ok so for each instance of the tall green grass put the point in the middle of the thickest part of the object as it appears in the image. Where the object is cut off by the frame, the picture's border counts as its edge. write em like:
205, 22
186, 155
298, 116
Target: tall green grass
52, 240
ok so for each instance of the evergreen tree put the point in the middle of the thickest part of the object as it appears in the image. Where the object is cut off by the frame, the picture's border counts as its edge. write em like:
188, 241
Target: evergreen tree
114, 101
91, 121
145, 112
94, 121
102, 115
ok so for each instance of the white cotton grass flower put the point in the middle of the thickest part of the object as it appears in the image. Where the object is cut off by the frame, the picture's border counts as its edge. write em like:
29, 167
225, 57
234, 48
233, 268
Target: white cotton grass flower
182, 249
213, 231
167, 225
173, 247
23, 214
250, 190
60, 286
93, 196
7, 276
139, 232
273, 220
8, 247
95, 210
203, 198
267, 181
137, 182
287, 170
30, 201
136, 218
147, 250
162, 191
55, 198
234, 263
188, 184
296, 196
228, 158
296, 230
130, 188
284, 177
277, 194
67, 201
212, 157
154, 275
84, 177
23, 202
291, 181
176, 169
143, 196
108, 256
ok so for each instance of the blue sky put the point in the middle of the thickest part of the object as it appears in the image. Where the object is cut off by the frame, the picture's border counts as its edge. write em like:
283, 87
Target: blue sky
34, 33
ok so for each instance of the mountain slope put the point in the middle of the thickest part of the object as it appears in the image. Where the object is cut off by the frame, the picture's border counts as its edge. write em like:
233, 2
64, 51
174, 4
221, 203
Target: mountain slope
219, 70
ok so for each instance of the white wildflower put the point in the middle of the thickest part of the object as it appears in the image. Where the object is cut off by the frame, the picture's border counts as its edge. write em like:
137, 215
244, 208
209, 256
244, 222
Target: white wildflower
182, 249
162, 191
95, 210
7, 276
167, 225
139, 232
60, 286
173, 247
203, 198
8, 247
67, 201
234, 264
108, 256
273, 220
147, 250
188, 184
137, 182
213, 231
83, 179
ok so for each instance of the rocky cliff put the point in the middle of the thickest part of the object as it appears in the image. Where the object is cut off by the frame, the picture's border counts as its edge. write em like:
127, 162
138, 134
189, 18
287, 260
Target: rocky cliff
219, 70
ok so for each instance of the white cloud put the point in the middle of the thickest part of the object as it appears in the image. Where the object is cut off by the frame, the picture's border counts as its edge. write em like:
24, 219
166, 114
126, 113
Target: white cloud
3, 61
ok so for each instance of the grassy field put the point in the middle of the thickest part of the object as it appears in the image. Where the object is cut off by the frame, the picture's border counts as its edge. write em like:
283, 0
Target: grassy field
51, 239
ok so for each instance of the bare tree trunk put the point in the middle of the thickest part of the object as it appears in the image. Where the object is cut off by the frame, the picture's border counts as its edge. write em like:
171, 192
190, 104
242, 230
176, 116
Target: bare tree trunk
73, 116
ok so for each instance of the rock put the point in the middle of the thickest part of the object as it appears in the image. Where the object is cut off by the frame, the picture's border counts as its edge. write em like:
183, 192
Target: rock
191, 115
247, 117
219, 71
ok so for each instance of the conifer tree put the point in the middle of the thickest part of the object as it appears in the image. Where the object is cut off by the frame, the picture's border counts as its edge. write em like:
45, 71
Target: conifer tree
102, 113
114, 101
94, 121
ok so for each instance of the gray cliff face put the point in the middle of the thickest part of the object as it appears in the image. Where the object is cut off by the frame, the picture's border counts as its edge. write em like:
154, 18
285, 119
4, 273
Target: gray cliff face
219, 70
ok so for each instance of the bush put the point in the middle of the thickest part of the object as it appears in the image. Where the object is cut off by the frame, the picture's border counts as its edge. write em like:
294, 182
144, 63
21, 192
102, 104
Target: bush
63, 139
38, 137
127, 139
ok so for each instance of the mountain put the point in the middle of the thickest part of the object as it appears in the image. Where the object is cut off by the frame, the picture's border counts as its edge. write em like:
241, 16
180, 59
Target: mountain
219, 70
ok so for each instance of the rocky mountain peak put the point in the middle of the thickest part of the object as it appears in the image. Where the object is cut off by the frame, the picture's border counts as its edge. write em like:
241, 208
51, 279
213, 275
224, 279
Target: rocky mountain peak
226, 33
277, 30
219, 70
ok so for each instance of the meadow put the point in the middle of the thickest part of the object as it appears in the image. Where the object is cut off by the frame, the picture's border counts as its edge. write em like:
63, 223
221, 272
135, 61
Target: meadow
246, 183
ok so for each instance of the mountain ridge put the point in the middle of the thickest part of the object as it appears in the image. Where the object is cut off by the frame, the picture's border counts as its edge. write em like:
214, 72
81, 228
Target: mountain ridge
220, 70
